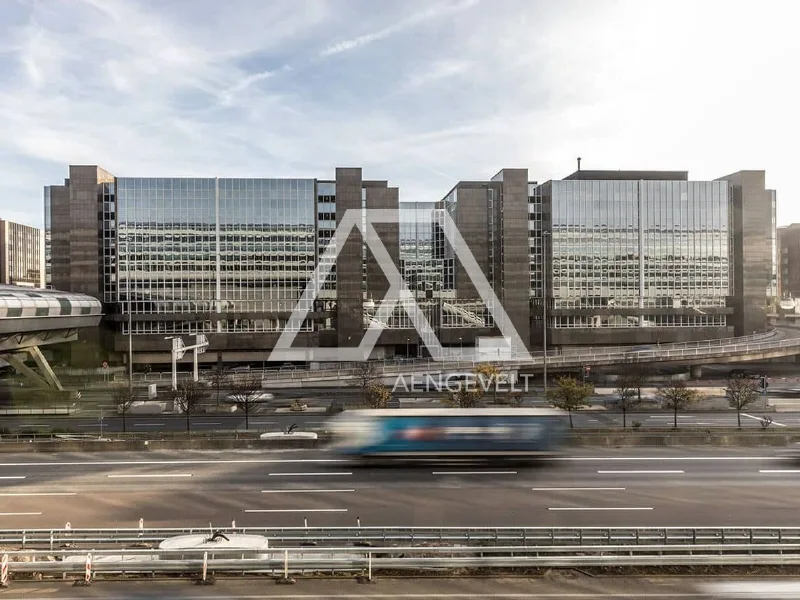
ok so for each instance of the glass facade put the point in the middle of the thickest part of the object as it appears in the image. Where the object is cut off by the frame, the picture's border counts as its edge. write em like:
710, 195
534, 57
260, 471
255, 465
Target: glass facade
199, 246
772, 288
639, 245
420, 269
108, 231
535, 245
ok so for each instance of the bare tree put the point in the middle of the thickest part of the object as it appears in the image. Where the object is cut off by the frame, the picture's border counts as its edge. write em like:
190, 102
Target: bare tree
741, 392
461, 397
218, 378
378, 396
636, 378
123, 398
678, 397
367, 376
570, 394
189, 396
245, 393
488, 375
628, 395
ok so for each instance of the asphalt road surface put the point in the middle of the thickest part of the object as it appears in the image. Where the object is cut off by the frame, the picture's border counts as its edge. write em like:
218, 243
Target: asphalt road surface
630, 487
576, 588
274, 421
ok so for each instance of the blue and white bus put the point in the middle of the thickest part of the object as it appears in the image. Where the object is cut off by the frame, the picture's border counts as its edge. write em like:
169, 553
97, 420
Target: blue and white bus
452, 433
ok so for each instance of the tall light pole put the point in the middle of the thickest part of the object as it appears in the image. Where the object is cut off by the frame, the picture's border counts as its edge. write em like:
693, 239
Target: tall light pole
545, 238
130, 329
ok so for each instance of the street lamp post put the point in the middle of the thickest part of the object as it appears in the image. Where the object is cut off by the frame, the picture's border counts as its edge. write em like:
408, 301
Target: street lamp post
408, 349
130, 332
545, 237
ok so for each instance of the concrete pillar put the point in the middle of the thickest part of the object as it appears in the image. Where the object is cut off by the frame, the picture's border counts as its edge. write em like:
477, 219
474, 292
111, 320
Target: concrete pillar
696, 372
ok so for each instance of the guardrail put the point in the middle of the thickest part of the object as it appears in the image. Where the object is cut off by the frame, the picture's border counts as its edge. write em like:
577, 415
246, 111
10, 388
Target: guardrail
323, 537
301, 559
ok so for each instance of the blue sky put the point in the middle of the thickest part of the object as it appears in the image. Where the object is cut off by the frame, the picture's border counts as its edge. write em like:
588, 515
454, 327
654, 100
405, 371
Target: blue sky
422, 93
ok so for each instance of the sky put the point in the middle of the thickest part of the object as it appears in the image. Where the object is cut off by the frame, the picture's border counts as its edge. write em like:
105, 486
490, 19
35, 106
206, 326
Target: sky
420, 93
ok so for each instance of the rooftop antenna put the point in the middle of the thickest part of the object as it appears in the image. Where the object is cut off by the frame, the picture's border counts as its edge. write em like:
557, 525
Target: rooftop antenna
579, 163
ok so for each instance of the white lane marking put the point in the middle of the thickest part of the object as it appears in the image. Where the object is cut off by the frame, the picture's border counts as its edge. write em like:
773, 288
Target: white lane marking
578, 489
305, 491
671, 417
146, 475
294, 510
146, 424
778, 471
662, 472
656, 458
759, 418
603, 508
262, 422
19, 494
135, 463
307, 474
13, 477
474, 473
20, 514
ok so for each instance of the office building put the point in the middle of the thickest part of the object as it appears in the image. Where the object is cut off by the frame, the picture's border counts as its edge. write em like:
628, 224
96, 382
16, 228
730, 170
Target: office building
229, 258
789, 252
617, 257
22, 258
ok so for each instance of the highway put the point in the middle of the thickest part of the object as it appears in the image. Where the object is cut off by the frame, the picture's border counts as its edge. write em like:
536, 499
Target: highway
626, 487
274, 421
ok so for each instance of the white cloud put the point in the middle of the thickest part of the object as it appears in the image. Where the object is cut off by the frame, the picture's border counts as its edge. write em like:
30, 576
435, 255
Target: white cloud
439, 70
196, 89
434, 12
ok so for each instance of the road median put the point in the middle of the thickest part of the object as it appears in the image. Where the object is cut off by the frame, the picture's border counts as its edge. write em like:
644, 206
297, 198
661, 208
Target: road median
221, 440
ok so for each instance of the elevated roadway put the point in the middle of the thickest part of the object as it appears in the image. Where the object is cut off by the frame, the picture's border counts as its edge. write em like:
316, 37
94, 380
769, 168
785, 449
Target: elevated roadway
31, 318
776, 343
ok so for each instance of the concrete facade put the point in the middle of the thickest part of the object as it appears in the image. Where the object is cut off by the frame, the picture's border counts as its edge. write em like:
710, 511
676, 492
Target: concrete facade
21, 255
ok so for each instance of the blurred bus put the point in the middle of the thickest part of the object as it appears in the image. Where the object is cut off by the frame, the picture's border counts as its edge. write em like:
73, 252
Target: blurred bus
491, 434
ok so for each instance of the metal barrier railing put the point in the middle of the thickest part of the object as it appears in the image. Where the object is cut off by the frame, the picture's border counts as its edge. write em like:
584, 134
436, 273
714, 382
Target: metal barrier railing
302, 559
52, 539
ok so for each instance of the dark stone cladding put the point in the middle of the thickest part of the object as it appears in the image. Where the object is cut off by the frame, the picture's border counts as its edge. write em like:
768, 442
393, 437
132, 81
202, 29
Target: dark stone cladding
349, 271
751, 206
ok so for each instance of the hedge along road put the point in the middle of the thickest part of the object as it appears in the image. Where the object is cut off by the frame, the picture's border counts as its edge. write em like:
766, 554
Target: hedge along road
634, 487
